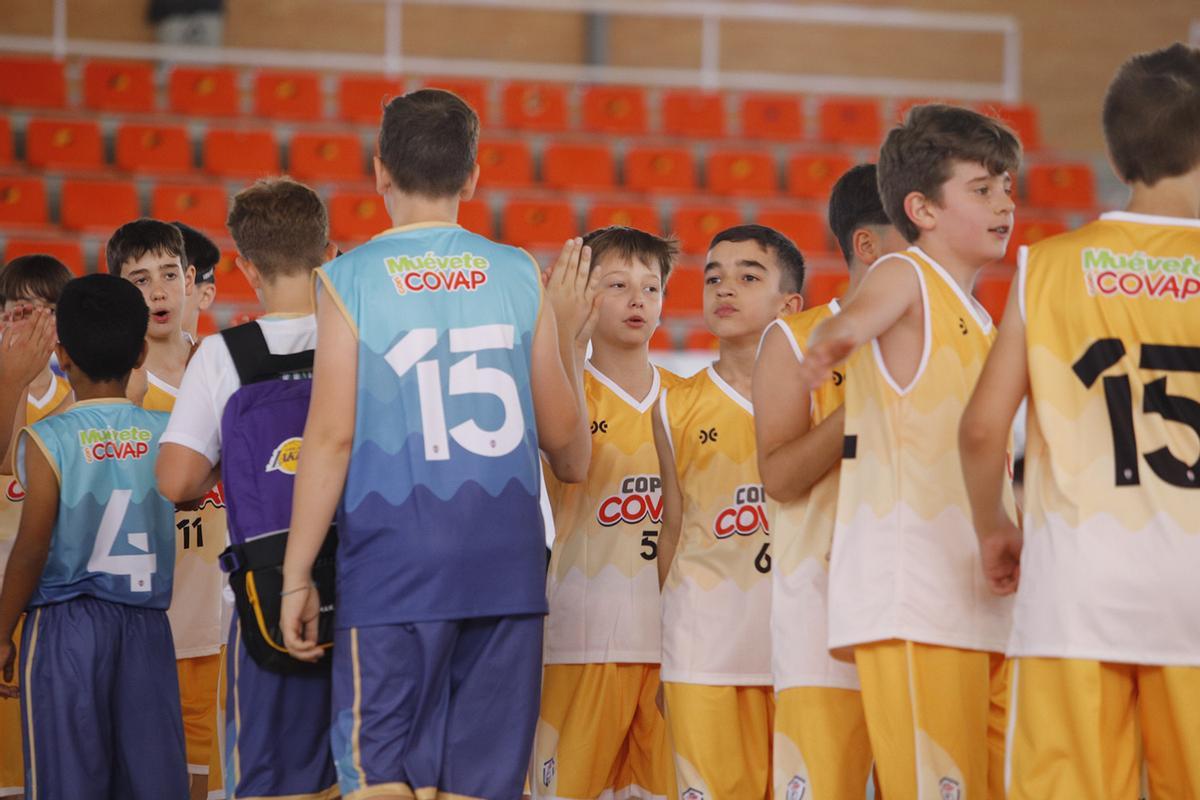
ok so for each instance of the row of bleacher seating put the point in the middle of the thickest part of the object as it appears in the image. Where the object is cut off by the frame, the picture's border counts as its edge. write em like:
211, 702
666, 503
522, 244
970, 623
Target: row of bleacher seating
215, 91
166, 149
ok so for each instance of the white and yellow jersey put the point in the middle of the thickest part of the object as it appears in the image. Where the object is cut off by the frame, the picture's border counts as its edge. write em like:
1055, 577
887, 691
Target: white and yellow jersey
603, 580
1112, 475
198, 620
717, 597
905, 561
802, 531
36, 408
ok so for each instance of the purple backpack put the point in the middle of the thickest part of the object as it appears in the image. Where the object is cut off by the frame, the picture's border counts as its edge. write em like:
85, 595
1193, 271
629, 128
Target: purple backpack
261, 432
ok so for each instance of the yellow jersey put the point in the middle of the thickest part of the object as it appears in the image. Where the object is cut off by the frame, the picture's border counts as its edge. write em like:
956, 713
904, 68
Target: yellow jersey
603, 579
197, 614
1112, 520
802, 531
905, 561
717, 598
36, 408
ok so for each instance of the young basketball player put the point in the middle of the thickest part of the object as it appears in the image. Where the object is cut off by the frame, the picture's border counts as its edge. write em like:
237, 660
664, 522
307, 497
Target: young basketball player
1101, 332
150, 254
202, 257
281, 230
820, 744
93, 564
26, 343
927, 637
714, 558
600, 731
437, 378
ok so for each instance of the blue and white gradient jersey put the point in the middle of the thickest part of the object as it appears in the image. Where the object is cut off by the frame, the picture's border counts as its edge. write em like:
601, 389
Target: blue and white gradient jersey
440, 516
114, 536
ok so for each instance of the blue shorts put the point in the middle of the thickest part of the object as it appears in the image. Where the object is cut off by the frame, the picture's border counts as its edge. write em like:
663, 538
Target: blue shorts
277, 729
430, 707
100, 703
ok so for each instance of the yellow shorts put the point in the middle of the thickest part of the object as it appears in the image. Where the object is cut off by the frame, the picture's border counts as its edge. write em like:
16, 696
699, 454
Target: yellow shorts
12, 760
721, 737
1075, 723
599, 731
821, 747
216, 756
936, 719
198, 679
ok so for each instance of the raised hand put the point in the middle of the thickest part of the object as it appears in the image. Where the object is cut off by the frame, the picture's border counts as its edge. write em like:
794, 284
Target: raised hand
572, 291
29, 339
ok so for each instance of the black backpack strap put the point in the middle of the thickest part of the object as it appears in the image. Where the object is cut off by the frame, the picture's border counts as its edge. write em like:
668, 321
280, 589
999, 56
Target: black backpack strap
253, 359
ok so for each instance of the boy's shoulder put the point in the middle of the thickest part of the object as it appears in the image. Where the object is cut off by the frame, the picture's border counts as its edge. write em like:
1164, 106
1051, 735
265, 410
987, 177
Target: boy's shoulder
666, 378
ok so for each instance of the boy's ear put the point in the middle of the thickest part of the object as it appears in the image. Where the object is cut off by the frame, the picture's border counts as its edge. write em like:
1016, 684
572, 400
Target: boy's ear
208, 293
141, 359
189, 279
383, 180
253, 276
921, 210
793, 304
64, 360
468, 190
865, 245
331, 251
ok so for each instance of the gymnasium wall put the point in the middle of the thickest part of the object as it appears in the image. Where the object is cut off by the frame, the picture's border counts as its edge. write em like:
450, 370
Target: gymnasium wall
1069, 48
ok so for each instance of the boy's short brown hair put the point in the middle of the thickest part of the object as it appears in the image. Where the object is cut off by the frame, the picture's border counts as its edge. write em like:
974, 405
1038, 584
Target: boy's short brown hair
1152, 115
135, 239
427, 142
919, 154
33, 277
280, 225
631, 243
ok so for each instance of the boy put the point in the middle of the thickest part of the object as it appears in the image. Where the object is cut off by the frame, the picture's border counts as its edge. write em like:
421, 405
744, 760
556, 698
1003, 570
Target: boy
600, 730
433, 354
1101, 333
202, 258
93, 564
150, 254
820, 739
714, 553
282, 234
927, 637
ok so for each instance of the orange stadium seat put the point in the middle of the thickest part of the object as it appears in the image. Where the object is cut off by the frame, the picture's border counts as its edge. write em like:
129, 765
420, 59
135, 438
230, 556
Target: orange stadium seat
700, 338
695, 226
771, 116
1060, 186
288, 95
32, 82
1018, 116
578, 166
6, 142
68, 252
991, 289
153, 148
805, 228
685, 292
326, 156
535, 106
823, 285
507, 163
1030, 231
662, 339
232, 285
850, 121
63, 144
692, 114
203, 206
98, 205
206, 324
242, 152
614, 109
22, 201
204, 91
642, 216
812, 175
537, 223
476, 216
742, 172
361, 98
356, 216
660, 169
119, 86
474, 93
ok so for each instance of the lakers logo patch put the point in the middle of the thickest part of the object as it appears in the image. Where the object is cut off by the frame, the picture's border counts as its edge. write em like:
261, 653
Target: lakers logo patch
286, 456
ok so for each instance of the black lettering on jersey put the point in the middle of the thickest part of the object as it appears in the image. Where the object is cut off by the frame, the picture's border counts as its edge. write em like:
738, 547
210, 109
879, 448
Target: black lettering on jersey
850, 446
599, 426
707, 436
962, 326
838, 378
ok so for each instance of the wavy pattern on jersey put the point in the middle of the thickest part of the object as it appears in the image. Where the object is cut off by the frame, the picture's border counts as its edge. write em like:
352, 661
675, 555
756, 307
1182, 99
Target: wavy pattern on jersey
66, 428
608, 617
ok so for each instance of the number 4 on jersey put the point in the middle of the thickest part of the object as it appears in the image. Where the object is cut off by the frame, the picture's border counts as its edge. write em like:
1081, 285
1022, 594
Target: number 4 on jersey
139, 567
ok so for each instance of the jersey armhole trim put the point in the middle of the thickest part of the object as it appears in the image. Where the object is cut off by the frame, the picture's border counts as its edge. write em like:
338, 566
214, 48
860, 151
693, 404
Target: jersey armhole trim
666, 421
1022, 268
322, 280
796, 351
927, 335
19, 456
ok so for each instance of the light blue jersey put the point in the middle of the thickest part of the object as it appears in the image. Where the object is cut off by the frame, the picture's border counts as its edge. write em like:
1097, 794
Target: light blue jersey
114, 536
440, 517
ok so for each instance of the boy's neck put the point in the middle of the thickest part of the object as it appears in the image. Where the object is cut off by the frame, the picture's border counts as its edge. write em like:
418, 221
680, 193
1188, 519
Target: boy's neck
289, 294
735, 365
168, 357
627, 367
960, 271
87, 389
41, 384
1170, 197
409, 209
